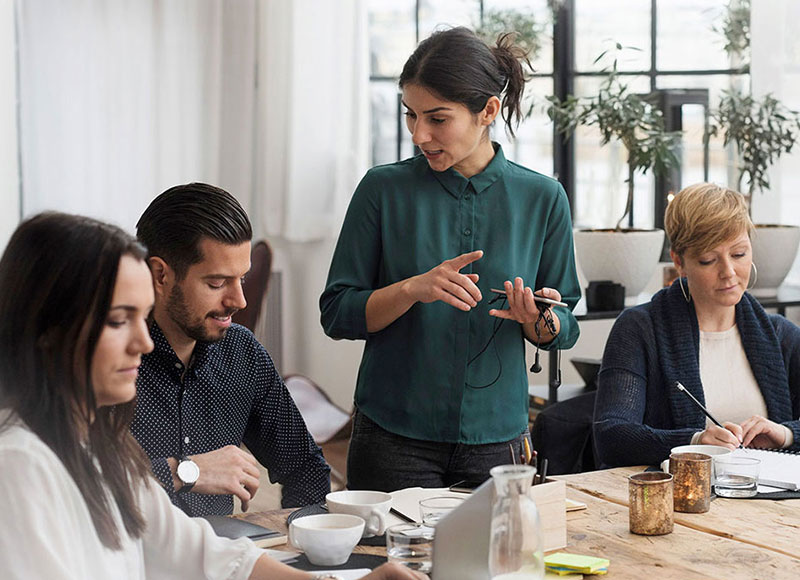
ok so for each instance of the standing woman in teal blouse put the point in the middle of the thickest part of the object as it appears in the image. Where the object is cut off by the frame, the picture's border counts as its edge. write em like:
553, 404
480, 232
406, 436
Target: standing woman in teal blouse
442, 391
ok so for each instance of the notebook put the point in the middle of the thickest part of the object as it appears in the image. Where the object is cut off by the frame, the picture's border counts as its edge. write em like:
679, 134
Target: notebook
228, 527
779, 468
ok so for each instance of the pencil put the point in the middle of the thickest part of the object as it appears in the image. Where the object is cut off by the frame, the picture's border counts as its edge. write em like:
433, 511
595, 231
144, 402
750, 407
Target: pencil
700, 406
528, 454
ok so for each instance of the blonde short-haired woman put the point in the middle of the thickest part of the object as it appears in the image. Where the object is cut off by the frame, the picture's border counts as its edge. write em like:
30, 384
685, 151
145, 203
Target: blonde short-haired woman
706, 332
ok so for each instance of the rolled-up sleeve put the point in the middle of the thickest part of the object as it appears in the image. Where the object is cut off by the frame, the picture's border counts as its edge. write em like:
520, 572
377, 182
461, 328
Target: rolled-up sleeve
354, 268
557, 270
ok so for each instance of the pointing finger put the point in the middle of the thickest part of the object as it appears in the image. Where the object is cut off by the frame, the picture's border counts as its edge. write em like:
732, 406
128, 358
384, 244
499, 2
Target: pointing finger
460, 261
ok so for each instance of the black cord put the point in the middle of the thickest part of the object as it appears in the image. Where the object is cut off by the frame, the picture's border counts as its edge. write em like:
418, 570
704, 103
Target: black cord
547, 316
497, 324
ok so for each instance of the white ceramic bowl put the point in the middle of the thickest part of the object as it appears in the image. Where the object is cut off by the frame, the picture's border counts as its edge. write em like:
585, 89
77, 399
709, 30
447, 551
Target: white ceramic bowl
327, 539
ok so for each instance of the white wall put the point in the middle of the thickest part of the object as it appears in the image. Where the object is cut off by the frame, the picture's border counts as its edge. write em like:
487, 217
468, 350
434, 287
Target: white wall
333, 364
9, 168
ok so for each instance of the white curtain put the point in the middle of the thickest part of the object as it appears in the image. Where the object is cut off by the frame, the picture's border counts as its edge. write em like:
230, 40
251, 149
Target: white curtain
313, 113
121, 99
9, 152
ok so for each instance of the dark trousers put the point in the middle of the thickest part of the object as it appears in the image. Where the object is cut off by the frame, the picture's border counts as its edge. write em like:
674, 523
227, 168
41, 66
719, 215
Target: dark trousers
382, 461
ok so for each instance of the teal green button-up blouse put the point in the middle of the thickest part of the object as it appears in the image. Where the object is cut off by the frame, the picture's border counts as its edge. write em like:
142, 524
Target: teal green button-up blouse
416, 378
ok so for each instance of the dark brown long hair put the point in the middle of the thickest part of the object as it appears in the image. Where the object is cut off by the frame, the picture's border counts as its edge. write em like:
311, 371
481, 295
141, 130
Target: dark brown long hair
57, 278
459, 67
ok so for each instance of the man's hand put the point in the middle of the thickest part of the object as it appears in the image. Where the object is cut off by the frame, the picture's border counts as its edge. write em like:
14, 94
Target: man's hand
228, 470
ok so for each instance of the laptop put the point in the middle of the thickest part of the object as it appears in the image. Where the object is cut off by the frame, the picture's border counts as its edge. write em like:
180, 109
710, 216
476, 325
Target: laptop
461, 545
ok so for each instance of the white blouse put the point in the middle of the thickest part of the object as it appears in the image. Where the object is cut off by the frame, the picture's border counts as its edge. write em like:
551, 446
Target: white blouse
46, 530
731, 391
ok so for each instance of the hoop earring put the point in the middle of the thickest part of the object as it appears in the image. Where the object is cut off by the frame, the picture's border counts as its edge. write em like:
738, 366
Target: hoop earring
686, 295
754, 276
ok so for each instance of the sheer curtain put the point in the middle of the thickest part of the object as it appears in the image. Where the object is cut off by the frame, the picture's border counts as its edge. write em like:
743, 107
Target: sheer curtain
313, 112
120, 100
9, 153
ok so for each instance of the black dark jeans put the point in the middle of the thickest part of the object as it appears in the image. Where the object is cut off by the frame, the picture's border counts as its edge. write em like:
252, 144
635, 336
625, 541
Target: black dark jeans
382, 461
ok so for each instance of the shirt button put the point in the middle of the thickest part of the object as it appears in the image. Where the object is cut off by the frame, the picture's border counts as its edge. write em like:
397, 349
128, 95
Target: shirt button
185, 439
466, 197
178, 366
467, 232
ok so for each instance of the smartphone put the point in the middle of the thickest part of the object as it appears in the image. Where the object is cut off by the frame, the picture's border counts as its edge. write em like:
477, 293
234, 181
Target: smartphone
465, 486
536, 297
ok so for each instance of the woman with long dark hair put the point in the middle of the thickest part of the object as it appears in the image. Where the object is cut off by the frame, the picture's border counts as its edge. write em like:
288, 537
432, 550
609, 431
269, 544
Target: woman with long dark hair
78, 498
442, 391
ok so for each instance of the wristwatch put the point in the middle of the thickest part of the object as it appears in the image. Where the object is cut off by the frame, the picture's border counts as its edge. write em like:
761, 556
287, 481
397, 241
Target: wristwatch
187, 472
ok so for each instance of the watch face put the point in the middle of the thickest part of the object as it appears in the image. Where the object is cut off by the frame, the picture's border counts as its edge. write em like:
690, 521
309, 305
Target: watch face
188, 472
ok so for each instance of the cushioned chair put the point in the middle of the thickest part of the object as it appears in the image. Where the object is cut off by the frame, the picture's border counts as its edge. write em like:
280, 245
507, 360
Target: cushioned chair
562, 434
255, 285
329, 424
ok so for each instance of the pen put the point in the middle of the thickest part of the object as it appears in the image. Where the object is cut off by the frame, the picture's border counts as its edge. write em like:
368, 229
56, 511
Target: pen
543, 475
402, 516
681, 388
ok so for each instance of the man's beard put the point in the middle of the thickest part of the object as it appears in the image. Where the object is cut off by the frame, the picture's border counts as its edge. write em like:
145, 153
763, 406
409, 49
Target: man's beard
178, 311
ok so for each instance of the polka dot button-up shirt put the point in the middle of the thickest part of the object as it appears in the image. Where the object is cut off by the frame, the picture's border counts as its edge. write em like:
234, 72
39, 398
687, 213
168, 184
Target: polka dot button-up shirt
230, 394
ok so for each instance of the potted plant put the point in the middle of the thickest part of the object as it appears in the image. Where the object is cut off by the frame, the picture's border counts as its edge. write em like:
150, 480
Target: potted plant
761, 131
637, 124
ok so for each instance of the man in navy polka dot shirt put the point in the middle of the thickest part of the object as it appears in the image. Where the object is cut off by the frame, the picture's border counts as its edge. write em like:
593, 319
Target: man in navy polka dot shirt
209, 386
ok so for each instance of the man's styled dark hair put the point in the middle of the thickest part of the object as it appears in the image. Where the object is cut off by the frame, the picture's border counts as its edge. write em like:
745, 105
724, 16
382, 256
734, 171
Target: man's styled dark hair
57, 278
176, 221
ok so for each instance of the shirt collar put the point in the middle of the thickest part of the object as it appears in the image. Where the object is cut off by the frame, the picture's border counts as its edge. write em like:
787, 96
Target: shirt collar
162, 348
456, 184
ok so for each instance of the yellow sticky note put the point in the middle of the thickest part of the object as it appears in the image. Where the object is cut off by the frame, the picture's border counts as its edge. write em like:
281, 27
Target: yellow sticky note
576, 562
548, 575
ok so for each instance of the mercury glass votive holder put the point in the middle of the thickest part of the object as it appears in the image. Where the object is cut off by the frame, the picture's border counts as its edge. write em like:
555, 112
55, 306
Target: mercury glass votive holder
692, 482
650, 501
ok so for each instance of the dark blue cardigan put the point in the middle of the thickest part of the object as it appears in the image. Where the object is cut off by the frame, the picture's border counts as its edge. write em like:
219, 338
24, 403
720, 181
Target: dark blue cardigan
639, 414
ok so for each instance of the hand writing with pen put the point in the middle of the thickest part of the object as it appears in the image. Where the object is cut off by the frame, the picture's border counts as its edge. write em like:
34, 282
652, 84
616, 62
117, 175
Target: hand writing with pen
757, 431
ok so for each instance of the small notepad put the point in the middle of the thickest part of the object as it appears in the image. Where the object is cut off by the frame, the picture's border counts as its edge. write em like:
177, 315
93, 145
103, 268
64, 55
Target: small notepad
778, 468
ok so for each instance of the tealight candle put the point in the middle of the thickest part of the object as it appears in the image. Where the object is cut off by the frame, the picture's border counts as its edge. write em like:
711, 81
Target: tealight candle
692, 482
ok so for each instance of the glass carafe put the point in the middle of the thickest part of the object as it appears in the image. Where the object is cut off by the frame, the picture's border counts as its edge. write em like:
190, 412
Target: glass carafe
515, 552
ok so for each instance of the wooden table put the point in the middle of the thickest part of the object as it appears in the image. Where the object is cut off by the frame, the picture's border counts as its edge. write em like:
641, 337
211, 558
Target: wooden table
736, 539
745, 539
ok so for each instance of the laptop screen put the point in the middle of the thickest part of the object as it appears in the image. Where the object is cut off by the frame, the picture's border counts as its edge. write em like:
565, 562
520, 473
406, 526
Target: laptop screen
461, 544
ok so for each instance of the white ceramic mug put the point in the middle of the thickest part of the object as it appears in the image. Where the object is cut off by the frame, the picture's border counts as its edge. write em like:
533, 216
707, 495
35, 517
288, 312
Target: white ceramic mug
327, 539
372, 506
713, 450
